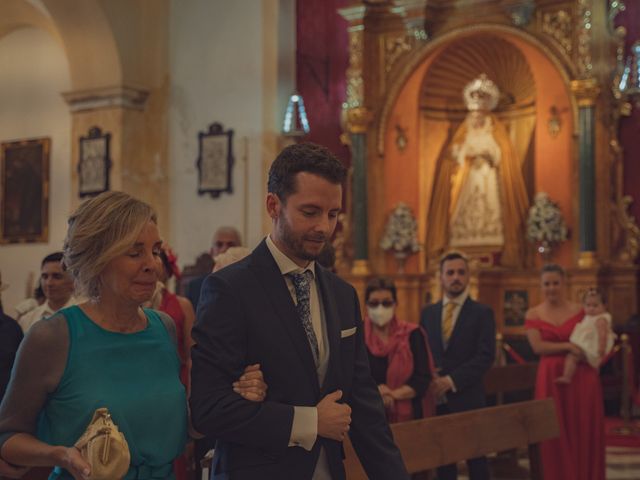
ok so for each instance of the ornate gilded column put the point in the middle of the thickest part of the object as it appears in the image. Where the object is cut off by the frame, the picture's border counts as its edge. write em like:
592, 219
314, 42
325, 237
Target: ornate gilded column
586, 92
358, 120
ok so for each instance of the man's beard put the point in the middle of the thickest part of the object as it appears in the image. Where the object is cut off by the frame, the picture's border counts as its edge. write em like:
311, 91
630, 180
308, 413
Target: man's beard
296, 243
455, 289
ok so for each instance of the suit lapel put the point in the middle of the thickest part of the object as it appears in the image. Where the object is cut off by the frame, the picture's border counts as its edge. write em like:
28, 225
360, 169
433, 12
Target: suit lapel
462, 318
276, 290
332, 324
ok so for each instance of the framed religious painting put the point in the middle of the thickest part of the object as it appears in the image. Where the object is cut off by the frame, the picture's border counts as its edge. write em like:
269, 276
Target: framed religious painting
25, 191
516, 304
94, 163
215, 160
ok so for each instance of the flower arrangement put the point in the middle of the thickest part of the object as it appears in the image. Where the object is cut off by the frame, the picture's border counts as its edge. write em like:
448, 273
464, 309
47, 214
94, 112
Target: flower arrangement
545, 223
400, 233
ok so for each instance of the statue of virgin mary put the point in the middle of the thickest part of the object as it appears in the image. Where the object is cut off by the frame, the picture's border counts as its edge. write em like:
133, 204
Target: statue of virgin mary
479, 200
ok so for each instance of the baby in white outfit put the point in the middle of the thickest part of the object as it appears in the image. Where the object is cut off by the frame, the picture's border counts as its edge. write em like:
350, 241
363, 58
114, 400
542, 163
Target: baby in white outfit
593, 335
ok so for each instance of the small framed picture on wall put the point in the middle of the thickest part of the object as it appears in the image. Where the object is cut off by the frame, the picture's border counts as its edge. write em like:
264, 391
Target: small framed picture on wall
516, 304
215, 160
25, 191
94, 163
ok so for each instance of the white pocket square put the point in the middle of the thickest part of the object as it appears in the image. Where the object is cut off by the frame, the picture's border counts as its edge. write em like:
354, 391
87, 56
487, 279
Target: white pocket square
348, 332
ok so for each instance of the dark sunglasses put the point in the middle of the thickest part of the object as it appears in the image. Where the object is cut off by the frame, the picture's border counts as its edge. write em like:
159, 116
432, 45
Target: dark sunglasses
384, 303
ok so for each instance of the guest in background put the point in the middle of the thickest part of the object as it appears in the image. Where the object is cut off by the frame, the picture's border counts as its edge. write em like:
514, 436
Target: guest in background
579, 452
398, 356
10, 338
177, 307
57, 285
462, 336
30, 303
224, 238
181, 312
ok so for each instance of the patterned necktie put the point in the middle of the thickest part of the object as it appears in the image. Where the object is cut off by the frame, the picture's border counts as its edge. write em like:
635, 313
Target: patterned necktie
447, 322
302, 285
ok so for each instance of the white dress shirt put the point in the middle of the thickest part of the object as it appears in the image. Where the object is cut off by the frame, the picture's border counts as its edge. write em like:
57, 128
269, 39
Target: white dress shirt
40, 312
304, 430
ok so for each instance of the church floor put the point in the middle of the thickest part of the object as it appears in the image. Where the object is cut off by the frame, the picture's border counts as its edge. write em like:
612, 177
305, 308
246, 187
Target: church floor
623, 463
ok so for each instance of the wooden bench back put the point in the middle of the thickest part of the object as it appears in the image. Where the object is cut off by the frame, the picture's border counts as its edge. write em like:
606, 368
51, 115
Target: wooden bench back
431, 442
510, 378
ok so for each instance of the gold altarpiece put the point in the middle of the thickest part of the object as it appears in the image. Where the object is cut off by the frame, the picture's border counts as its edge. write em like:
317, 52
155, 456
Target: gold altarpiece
555, 64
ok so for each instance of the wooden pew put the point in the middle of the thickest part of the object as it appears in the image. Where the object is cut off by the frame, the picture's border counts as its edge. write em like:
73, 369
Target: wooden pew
510, 378
431, 442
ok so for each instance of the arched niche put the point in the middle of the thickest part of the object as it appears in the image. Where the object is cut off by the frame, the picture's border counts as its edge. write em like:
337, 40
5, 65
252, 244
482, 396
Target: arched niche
425, 103
81, 28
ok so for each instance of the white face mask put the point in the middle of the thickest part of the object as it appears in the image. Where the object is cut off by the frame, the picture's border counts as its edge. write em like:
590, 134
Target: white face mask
381, 315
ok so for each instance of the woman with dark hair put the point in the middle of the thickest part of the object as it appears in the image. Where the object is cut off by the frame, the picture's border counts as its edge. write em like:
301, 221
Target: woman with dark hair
398, 356
177, 307
181, 312
578, 454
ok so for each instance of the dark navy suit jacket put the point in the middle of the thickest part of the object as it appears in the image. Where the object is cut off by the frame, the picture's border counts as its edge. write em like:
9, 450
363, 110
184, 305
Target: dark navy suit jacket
246, 315
469, 353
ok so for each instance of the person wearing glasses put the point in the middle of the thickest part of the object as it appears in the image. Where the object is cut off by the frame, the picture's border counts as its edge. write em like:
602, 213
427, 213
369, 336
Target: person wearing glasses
399, 358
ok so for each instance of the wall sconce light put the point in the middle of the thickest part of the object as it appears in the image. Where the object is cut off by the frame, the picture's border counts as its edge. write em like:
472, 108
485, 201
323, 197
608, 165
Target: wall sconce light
401, 138
629, 84
295, 123
555, 122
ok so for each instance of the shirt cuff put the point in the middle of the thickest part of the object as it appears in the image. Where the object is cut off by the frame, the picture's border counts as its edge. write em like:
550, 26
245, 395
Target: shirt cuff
453, 385
304, 430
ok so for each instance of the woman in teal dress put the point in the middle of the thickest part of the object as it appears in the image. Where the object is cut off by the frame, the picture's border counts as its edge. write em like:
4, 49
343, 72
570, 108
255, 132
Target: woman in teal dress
106, 352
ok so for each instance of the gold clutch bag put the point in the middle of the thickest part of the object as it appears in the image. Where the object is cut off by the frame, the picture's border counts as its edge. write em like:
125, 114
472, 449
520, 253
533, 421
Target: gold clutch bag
104, 447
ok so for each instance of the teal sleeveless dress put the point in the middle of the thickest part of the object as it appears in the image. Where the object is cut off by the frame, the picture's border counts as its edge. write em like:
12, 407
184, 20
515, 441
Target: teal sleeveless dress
137, 377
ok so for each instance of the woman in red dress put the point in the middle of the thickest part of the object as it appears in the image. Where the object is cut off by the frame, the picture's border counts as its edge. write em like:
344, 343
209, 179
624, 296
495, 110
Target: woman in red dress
180, 310
579, 452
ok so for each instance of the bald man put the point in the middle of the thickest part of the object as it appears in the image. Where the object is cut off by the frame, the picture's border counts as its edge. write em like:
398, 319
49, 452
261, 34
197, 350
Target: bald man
223, 239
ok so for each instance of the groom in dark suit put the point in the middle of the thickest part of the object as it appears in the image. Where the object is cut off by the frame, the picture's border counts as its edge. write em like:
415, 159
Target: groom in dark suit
461, 336
278, 308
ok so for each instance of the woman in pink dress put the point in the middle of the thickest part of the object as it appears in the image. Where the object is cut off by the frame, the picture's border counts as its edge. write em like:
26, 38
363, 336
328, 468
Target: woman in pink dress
578, 453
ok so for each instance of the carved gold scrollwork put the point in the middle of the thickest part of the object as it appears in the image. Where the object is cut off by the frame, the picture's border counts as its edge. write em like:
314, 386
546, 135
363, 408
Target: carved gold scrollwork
394, 47
355, 84
584, 60
342, 242
558, 25
358, 120
626, 234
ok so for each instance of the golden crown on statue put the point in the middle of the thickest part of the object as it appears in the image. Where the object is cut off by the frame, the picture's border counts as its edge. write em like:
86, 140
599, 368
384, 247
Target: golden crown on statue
481, 94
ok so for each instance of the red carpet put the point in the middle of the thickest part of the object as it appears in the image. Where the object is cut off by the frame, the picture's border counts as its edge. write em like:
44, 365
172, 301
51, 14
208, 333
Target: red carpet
615, 438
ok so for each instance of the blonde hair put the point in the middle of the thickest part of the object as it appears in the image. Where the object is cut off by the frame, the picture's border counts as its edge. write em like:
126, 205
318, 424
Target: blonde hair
99, 230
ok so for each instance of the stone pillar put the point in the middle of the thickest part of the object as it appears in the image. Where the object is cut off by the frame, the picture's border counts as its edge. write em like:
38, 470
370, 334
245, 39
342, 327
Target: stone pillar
136, 120
358, 120
586, 92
